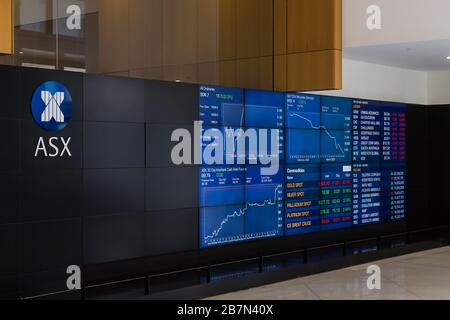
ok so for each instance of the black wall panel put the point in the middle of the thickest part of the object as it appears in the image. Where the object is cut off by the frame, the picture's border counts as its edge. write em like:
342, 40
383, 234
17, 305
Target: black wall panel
50, 245
9, 288
419, 216
112, 191
9, 91
113, 99
50, 194
418, 163
9, 250
439, 144
10, 142
113, 238
418, 146
182, 236
171, 103
38, 283
9, 197
114, 145
171, 188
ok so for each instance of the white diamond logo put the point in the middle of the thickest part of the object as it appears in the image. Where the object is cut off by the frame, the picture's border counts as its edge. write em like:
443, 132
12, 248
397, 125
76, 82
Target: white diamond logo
52, 109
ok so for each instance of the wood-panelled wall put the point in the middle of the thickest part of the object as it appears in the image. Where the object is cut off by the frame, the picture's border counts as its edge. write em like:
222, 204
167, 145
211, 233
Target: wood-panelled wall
6, 26
308, 45
265, 44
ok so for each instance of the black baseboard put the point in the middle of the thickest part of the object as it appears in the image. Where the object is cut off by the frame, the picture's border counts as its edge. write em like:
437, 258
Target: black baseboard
203, 291
256, 280
199, 283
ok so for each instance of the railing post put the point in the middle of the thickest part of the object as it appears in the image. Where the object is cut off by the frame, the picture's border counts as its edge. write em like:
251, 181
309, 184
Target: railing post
83, 293
305, 256
147, 285
378, 243
261, 264
208, 274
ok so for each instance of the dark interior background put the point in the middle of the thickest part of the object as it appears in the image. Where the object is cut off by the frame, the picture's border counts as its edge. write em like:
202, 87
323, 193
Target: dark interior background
118, 207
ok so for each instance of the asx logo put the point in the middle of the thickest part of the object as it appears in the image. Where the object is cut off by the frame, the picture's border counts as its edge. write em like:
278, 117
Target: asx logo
51, 106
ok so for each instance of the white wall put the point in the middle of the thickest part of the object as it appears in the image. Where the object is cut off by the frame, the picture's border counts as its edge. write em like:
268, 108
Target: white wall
439, 87
372, 81
402, 21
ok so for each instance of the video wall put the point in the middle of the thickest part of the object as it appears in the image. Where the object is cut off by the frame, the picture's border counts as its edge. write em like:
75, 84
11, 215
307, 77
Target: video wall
342, 164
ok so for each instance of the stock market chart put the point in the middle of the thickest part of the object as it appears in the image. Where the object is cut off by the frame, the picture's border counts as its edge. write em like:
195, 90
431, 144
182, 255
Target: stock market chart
303, 111
238, 203
341, 163
221, 106
264, 109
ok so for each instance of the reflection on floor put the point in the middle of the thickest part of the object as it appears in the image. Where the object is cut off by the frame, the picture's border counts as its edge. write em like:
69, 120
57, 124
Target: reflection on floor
419, 276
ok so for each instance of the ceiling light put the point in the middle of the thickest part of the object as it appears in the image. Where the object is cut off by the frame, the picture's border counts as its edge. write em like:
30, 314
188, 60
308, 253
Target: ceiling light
448, 58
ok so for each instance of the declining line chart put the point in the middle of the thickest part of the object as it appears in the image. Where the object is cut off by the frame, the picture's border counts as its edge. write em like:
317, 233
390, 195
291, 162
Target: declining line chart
336, 143
316, 142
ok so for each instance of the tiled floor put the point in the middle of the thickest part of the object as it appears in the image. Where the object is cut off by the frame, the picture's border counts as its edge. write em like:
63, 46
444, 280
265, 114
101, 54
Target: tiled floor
419, 276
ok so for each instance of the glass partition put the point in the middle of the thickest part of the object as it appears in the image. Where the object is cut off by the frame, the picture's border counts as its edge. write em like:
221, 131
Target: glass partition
177, 40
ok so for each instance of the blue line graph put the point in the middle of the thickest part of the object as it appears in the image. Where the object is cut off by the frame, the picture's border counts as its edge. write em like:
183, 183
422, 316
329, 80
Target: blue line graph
336, 113
337, 146
310, 140
306, 105
241, 212
264, 109
253, 220
340, 148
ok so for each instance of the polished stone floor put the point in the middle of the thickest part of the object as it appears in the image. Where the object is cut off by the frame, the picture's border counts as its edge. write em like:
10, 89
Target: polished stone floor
419, 276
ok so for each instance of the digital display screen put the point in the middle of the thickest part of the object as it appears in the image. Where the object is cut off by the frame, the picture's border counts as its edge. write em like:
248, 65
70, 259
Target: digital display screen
367, 131
264, 109
342, 164
336, 196
238, 203
302, 199
221, 106
366, 194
